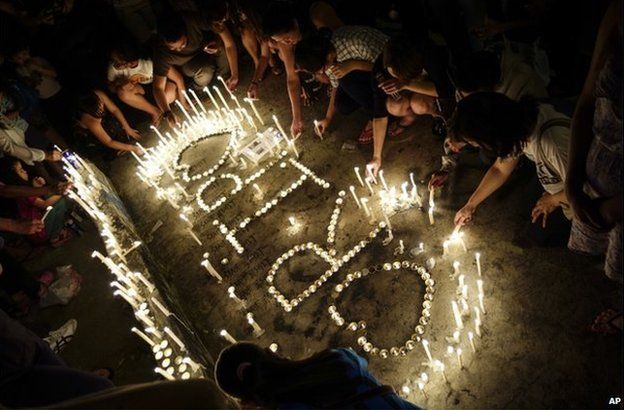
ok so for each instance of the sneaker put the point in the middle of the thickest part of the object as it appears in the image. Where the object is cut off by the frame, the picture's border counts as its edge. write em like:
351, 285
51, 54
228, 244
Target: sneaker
57, 339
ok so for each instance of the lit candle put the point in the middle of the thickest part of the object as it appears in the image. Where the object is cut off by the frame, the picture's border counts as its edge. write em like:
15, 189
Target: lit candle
480, 294
318, 131
368, 185
294, 148
190, 231
431, 195
369, 172
225, 104
383, 180
256, 328
186, 114
456, 335
214, 102
160, 306
164, 373
281, 130
421, 386
240, 109
440, 366
135, 245
48, 209
174, 338
364, 201
127, 298
477, 321
231, 293
457, 315
471, 340
259, 193
404, 190
425, 344
143, 336
357, 201
224, 85
191, 104
359, 177
431, 220
199, 103
478, 259
211, 270
227, 336
253, 107
458, 351
185, 219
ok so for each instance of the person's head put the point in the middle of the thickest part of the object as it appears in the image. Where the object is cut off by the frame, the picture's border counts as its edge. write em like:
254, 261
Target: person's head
172, 30
279, 23
256, 375
313, 54
89, 103
13, 171
402, 58
494, 122
323, 15
480, 71
215, 12
20, 54
124, 56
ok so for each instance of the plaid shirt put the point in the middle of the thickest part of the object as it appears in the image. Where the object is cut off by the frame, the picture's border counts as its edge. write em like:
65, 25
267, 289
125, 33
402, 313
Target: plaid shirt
356, 43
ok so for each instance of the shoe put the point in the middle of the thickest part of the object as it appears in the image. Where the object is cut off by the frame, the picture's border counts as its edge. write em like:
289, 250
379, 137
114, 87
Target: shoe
57, 339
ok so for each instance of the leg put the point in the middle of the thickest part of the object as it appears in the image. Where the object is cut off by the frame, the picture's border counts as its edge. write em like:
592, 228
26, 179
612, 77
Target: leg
223, 65
171, 92
423, 104
201, 69
138, 101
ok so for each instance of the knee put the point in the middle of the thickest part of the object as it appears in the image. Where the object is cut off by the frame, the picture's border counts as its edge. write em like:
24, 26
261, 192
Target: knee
204, 75
124, 95
171, 91
420, 105
398, 108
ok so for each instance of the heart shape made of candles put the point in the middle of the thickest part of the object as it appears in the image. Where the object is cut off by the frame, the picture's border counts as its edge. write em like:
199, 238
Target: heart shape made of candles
220, 201
359, 325
335, 264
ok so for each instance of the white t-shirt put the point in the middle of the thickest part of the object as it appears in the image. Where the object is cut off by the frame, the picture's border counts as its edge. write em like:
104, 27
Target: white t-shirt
550, 150
143, 73
46, 86
519, 79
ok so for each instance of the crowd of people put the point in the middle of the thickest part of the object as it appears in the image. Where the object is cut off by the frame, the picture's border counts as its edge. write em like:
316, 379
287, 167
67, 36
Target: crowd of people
507, 80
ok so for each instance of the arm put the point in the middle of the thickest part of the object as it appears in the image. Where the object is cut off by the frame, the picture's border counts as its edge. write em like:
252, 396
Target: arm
44, 203
174, 75
294, 87
24, 227
322, 125
380, 126
342, 69
232, 56
95, 126
252, 91
113, 109
21, 191
23, 152
421, 86
494, 178
582, 120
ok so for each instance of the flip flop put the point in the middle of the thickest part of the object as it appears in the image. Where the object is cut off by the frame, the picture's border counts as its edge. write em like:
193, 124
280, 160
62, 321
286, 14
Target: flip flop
604, 323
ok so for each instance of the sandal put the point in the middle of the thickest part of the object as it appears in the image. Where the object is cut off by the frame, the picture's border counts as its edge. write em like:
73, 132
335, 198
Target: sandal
366, 136
604, 323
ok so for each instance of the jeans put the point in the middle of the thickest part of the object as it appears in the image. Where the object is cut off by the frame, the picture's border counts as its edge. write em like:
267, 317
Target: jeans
203, 67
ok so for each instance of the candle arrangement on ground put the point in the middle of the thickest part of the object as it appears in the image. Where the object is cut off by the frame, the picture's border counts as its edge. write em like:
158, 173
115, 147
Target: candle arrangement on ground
217, 204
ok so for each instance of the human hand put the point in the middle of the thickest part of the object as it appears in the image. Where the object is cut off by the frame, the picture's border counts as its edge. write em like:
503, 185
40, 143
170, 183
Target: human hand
544, 207
171, 118
392, 86
28, 227
212, 48
438, 179
340, 70
62, 188
321, 126
296, 128
137, 150
232, 82
373, 167
252, 91
53, 156
38, 182
464, 215
134, 134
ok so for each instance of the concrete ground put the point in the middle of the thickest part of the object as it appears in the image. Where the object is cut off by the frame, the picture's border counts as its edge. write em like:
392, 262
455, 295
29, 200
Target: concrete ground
535, 351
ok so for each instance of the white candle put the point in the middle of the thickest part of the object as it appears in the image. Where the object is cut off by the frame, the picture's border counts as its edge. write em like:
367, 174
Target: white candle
364, 201
440, 366
281, 130
480, 294
383, 180
477, 321
357, 201
461, 241
135, 245
164, 373
259, 193
225, 104
292, 220
368, 185
421, 386
190, 231
231, 293
192, 105
185, 219
471, 340
404, 190
186, 114
253, 107
227, 336
459, 357
369, 172
225, 85
316, 128
143, 336
127, 298
198, 101
294, 148
478, 259
240, 109
214, 102
48, 209
425, 344
431, 219
256, 328
456, 335
211, 270
359, 177
174, 338
457, 315
431, 195
160, 306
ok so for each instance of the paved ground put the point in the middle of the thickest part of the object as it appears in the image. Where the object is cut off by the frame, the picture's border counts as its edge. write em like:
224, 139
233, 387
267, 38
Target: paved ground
534, 353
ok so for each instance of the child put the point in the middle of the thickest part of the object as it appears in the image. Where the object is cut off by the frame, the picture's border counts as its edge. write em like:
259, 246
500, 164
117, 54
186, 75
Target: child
34, 207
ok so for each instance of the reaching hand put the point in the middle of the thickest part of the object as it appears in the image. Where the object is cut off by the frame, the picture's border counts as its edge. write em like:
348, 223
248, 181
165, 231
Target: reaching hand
340, 70
296, 128
372, 168
53, 156
321, 126
38, 182
252, 91
392, 86
171, 118
28, 227
62, 188
232, 83
438, 179
134, 134
544, 207
137, 150
464, 215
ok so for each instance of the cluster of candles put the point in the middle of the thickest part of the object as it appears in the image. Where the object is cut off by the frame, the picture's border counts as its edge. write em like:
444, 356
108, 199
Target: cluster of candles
132, 286
331, 228
356, 325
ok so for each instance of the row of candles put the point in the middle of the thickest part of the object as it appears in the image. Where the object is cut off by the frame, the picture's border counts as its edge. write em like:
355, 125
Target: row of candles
133, 286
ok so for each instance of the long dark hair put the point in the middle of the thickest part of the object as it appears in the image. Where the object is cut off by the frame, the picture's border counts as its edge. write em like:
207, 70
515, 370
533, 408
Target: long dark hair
7, 170
494, 122
90, 103
270, 380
